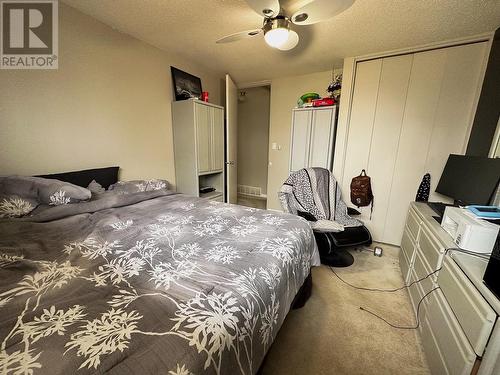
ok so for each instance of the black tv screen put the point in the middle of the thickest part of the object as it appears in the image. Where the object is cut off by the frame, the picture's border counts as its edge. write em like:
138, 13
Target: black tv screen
470, 179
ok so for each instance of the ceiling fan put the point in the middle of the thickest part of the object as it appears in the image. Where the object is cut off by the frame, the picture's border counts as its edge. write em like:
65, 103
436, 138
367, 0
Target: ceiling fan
277, 24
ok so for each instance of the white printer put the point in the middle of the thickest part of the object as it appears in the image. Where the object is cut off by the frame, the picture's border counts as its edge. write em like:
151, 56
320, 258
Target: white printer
469, 232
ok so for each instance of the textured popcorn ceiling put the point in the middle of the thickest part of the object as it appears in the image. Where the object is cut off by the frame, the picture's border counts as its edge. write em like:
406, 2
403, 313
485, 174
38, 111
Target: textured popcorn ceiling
191, 27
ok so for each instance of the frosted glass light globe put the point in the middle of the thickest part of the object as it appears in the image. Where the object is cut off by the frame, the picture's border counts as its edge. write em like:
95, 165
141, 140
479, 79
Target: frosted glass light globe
276, 37
293, 40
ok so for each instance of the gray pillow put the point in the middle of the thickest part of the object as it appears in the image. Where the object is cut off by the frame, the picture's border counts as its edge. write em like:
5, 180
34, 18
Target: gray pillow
136, 186
19, 195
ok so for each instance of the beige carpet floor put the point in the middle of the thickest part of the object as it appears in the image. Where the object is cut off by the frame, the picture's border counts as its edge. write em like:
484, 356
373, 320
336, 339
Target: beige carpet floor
331, 335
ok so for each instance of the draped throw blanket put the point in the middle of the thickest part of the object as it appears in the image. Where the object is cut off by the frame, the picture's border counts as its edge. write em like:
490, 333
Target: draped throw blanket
316, 191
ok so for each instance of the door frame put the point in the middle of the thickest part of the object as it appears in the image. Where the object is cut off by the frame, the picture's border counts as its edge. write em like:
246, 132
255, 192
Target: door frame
263, 83
495, 144
349, 78
227, 161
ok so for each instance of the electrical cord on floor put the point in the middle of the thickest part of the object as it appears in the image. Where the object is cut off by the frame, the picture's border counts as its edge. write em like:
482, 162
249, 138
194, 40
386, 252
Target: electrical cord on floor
417, 318
384, 290
417, 324
468, 252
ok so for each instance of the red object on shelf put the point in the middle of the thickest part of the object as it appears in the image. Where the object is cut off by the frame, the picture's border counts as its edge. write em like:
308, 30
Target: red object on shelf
323, 102
204, 96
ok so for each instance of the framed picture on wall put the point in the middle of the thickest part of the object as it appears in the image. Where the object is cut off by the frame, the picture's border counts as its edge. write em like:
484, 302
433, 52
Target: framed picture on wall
186, 85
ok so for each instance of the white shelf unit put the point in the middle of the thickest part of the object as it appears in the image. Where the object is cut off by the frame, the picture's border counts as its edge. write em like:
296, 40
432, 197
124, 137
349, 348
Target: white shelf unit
198, 134
312, 137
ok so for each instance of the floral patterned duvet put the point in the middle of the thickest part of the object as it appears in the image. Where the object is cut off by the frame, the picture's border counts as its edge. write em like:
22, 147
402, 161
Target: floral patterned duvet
152, 282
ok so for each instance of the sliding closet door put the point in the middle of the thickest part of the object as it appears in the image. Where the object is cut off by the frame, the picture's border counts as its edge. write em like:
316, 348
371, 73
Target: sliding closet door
436, 122
364, 102
421, 104
408, 113
455, 110
389, 112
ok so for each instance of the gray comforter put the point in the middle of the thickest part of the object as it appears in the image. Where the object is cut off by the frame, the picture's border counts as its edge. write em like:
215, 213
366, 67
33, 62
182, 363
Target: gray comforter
151, 282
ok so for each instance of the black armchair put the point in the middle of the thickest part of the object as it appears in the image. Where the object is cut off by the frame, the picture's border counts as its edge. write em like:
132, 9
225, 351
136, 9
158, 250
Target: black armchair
313, 193
333, 246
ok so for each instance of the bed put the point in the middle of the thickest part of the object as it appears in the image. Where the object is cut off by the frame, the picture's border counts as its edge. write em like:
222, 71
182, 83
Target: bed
148, 282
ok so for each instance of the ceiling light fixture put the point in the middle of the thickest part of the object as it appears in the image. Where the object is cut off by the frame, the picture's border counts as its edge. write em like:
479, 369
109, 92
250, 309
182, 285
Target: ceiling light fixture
276, 31
293, 40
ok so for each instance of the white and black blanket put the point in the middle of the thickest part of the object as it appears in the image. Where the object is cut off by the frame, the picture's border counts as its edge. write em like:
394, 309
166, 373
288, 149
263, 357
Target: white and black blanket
147, 283
315, 191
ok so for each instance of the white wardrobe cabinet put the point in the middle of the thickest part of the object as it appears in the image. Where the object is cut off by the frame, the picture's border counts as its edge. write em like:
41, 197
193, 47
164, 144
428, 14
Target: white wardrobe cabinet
407, 114
198, 134
312, 138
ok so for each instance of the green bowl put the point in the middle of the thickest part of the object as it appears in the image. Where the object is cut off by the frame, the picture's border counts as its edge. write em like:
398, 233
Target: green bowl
309, 97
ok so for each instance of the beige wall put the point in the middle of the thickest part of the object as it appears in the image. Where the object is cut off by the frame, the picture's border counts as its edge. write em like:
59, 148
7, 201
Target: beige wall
108, 104
253, 137
284, 95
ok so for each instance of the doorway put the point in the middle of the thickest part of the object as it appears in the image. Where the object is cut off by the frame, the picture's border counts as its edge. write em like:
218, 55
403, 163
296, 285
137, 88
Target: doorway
253, 145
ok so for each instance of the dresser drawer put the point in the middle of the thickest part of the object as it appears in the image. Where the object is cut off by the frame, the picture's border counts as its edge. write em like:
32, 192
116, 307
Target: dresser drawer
474, 314
416, 293
413, 223
433, 355
431, 249
457, 353
404, 265
422, 269
408, 245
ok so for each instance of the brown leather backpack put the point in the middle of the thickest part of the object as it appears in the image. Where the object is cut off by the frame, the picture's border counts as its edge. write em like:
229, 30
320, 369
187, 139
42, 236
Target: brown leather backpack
361, 190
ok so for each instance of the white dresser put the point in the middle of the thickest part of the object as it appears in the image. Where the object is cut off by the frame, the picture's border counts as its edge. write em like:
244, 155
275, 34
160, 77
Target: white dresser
459, 321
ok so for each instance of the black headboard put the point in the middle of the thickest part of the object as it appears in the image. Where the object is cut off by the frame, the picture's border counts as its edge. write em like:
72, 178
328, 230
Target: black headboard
104, 176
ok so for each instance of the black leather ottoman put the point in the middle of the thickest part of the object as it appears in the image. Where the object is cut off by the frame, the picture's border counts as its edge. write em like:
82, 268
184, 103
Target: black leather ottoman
333, 246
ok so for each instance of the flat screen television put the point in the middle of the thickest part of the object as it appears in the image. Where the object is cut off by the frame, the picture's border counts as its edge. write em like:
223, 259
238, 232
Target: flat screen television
470, 179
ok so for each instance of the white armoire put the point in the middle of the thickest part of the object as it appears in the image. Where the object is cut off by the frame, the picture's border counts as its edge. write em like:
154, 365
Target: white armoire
404, 115
312, 137
198, 135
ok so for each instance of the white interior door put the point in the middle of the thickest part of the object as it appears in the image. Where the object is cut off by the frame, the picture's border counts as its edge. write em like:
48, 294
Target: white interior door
231, 140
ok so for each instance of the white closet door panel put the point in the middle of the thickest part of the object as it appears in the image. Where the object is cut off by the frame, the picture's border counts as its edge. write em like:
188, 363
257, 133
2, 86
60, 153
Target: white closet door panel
455, 108
421, 105
389, 113
203, 130
321, 140
300, 140
364, 102
218, 139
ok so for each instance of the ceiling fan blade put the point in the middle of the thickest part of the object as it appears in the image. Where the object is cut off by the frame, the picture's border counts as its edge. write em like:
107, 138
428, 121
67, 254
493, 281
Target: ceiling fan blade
293, 40
319, 10
238, 36
266, 8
